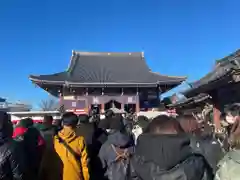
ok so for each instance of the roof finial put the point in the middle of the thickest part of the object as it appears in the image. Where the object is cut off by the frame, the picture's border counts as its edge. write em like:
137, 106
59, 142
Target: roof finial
143, 54
73, 52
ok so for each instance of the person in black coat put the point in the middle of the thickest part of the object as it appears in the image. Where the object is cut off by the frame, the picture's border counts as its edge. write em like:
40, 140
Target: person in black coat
89, 131
202, 140
85, 129
164, 152
11, 167
46, 128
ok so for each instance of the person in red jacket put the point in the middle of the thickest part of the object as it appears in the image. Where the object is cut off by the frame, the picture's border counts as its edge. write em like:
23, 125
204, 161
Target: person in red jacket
32, 143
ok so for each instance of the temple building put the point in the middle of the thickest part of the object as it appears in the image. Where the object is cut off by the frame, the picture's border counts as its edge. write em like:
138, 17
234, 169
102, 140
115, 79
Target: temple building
105, 80
221, 84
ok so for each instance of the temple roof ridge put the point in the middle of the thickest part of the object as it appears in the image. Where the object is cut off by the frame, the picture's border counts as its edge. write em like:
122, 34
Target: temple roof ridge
99, 53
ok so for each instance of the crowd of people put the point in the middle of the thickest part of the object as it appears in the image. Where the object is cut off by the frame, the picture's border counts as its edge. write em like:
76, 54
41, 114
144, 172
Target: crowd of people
118, 148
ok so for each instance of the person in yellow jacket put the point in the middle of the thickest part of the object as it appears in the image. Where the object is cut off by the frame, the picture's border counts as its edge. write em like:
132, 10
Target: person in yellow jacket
75, 160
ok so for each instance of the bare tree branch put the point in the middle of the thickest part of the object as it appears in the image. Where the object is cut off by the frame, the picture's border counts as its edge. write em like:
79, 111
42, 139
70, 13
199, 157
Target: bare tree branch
48, 105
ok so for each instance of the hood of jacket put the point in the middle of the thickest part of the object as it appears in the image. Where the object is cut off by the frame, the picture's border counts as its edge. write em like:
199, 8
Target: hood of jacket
118, 139
166, 151
19, 131
67, 134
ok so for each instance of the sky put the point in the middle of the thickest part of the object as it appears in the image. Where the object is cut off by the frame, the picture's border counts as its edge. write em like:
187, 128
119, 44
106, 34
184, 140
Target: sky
178, 37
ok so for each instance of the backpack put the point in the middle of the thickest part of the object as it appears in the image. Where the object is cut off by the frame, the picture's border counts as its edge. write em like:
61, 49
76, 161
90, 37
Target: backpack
122, 154
120, 166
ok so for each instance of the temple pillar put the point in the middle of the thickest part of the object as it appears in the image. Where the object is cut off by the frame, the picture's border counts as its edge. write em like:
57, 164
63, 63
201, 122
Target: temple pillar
137, 104
102, 108
60, 99
216, 117
216, 111
61, 103
122, 106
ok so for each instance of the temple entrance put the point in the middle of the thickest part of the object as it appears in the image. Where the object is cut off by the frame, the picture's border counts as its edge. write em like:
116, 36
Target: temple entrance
112, 104
130, 108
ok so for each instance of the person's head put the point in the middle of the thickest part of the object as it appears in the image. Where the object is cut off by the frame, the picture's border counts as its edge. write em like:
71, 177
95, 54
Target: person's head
57, 122
26, 123
6, 127
142, 122
189, 124
95, 120
116, 123
232, 113
47, 119
104, 124
70, 119
109, 114
164, 125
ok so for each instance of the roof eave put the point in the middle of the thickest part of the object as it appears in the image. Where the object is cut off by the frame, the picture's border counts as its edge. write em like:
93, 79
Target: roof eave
35, 80
195, 90
96, 84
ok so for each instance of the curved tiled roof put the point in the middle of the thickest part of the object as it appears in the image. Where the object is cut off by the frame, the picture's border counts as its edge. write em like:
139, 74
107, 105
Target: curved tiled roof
222, 68
108, 68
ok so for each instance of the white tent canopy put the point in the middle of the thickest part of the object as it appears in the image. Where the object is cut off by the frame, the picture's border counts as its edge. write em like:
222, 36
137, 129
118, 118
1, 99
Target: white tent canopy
15, 118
